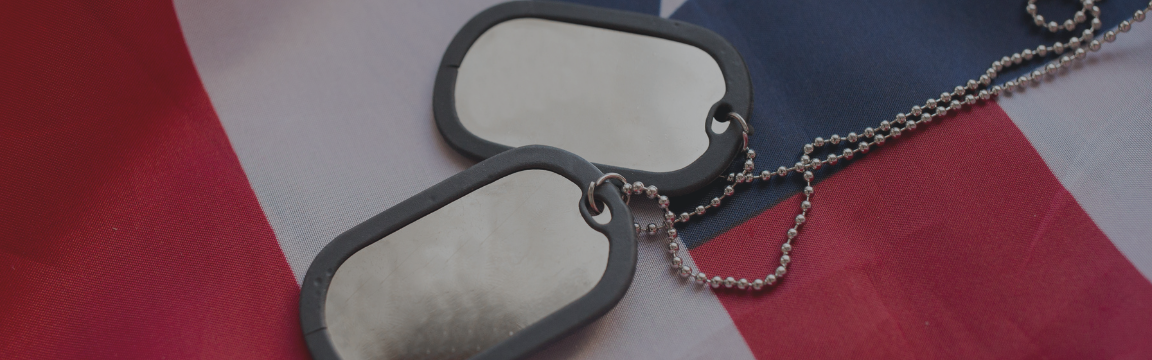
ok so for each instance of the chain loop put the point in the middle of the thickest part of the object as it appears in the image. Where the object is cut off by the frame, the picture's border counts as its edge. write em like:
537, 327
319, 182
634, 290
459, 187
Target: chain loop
970, 93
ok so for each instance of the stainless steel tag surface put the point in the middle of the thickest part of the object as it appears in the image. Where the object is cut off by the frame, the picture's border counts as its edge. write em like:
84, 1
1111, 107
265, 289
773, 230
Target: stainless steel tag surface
643, 96
499, 254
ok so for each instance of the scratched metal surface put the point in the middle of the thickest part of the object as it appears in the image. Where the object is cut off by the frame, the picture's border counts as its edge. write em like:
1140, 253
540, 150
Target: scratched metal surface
611, 97
468, 275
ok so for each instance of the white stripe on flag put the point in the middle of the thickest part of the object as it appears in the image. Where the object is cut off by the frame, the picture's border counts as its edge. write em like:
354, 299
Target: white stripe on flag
328, 107
1093, 127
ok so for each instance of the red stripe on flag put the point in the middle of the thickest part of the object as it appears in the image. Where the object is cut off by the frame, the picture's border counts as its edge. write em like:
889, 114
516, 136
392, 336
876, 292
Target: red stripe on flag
129, 228
955, 243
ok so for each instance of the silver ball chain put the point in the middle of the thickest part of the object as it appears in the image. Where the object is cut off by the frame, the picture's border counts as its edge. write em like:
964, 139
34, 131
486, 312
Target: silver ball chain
972, 92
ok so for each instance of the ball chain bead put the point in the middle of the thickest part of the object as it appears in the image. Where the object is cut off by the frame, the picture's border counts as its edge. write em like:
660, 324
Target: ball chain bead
808, 175
1041, 51
1094, 45
1053, 26
880, 139
1058, 48
896, 131
1031, 8
672, 233
742, 284
799, 168
800, 219
818, 142
780, 271
863, 147
700, 210
805, 205
1095, 13
835, 139
885, 125
652, 191
852, 137
997, 65
764, 175
751, 154
1038, 20
816, 163
770, 279
911, 125
685, 271
848, 153
626, 188
985, 95
669, 216
684, 217
636, 227
954, 105
1069, 25
781, 171
915, 110
930, 104
716, 281
808, 190
673, 247
901, 118
1081, 54
1074, 43
1125, 26
1027, 53
728, 190
792, 233
1139, 16
1087, 35
677, 262
749, 165
701, 278
729, 282
638, 187
832, 158
715, 202
784, 260
926, 118
945, 97
652, 229
757, 284
663, 202
786, 248
969, 99
808, 148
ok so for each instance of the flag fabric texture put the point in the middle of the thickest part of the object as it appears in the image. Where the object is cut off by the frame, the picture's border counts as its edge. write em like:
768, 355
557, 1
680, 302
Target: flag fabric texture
170, 169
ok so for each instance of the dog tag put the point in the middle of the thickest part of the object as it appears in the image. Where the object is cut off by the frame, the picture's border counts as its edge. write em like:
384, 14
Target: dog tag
492, 263
646, 97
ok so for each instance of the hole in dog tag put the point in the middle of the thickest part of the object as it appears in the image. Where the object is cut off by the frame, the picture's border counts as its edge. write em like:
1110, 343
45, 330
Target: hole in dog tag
488, 260
633, 93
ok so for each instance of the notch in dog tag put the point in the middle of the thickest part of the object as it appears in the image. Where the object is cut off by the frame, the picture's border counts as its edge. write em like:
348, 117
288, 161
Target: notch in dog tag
493, 263
636, 94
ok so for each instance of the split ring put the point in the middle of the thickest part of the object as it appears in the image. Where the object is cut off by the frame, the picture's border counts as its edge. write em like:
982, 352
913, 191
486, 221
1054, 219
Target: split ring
593, 185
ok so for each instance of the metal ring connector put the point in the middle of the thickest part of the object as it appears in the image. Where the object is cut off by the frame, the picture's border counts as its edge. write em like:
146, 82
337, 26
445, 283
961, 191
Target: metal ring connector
743, 125
740, 119
593, 185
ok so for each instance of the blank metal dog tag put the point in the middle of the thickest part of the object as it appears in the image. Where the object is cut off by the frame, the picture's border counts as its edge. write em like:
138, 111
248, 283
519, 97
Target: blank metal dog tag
638, 95
492, 263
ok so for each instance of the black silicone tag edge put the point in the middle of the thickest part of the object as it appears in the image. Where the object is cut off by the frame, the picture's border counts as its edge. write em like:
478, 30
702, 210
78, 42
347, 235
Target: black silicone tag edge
612, 286
722, 148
